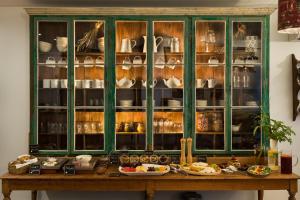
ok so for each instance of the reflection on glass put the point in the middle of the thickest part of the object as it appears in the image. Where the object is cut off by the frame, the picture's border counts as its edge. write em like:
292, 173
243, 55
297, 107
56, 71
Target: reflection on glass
168, 79
243, 124
131, 82
246, 64
52, 85
210, 129
246, 83
209, 84
89, 85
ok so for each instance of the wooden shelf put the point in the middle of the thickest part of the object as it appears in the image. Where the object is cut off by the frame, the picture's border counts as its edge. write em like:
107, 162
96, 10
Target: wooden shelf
129, 133
83, 134
89, 54
209, 53
130, 54
210, 133
169, 133
169, 54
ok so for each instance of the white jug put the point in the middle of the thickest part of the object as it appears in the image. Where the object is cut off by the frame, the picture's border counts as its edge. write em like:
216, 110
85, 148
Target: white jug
175, 45
127, 45
156, 44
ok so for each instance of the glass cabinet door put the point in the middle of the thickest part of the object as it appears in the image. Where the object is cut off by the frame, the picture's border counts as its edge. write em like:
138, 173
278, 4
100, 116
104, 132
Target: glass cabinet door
246, 82
209, 84
89, 80
131, 82
168, 79
52, 95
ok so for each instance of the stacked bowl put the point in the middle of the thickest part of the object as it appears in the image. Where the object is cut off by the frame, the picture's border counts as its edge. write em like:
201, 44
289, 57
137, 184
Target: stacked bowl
62, 44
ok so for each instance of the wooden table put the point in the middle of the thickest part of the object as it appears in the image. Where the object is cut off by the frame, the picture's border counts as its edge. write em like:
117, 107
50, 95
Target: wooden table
149, 184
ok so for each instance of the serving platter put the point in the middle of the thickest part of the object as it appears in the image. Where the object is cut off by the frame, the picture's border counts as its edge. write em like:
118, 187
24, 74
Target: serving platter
148, 173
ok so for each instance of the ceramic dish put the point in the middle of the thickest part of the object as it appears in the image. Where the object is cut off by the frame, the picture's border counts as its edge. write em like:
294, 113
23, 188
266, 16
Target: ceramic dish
259, 171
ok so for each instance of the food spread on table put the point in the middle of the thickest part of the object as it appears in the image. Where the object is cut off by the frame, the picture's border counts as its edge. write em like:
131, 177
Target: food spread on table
138, 165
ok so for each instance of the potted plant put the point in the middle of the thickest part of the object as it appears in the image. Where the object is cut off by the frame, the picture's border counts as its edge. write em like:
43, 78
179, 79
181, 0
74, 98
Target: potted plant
273, 129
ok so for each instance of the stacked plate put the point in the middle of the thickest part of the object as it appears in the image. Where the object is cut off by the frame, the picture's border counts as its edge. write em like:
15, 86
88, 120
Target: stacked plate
174, 103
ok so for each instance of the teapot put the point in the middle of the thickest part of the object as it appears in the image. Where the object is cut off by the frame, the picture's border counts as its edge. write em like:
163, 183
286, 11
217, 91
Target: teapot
50, 62
126, 63
213, 61
88, 61
125, 82
62, 62
172, 82
144, 83
99, 61
137, 61
160, 62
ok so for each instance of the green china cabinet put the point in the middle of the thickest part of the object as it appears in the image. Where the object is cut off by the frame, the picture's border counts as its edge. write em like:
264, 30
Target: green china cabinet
111, 83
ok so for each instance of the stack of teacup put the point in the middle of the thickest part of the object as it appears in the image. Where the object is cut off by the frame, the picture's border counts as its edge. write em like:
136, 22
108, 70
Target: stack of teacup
62, 44
101, 44
89, 83
55, 83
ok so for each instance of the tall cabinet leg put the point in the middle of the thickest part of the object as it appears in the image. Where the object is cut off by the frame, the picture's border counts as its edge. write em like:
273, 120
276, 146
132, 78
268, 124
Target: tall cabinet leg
34, 195
260, 194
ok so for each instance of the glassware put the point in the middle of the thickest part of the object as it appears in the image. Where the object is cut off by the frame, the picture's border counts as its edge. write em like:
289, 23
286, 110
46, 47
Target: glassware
236, 78
273, 159
202, 125
99, 127
86, 127
79, 128
286, 161
246, 78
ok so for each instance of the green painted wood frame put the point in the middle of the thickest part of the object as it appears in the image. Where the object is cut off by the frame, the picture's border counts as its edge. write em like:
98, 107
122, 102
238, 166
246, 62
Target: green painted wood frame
34, 81
189, 79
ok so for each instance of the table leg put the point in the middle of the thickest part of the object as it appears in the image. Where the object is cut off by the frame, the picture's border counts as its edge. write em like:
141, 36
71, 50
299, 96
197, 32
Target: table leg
5, 190
34, 195
149, 194
260, 194
292, 195
293, 189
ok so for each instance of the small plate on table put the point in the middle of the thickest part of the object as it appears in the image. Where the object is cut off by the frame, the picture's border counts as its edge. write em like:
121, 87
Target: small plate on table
259, 171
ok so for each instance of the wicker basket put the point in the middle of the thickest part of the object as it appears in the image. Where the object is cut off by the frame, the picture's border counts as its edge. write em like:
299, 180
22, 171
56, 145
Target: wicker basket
13, 170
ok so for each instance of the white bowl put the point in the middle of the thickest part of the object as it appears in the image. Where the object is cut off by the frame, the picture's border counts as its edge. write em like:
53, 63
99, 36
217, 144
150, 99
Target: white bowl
251, 103
61, 48
45, 47
84, 158
62, 41
236, 128
126, 103
174, 103
144, 103
201, 102
221, 102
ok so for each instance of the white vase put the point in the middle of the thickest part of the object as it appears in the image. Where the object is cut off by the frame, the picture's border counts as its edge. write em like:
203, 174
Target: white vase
273, 144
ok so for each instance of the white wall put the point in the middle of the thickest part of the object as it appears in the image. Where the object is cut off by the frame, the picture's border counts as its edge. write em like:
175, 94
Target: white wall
14, 104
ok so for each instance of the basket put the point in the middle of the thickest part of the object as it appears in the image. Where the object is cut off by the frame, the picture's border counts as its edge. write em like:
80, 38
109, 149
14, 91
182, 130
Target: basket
13, 170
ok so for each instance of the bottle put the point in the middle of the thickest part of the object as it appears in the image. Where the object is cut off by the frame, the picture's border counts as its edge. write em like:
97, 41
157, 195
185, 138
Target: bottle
236, 78
246, 78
